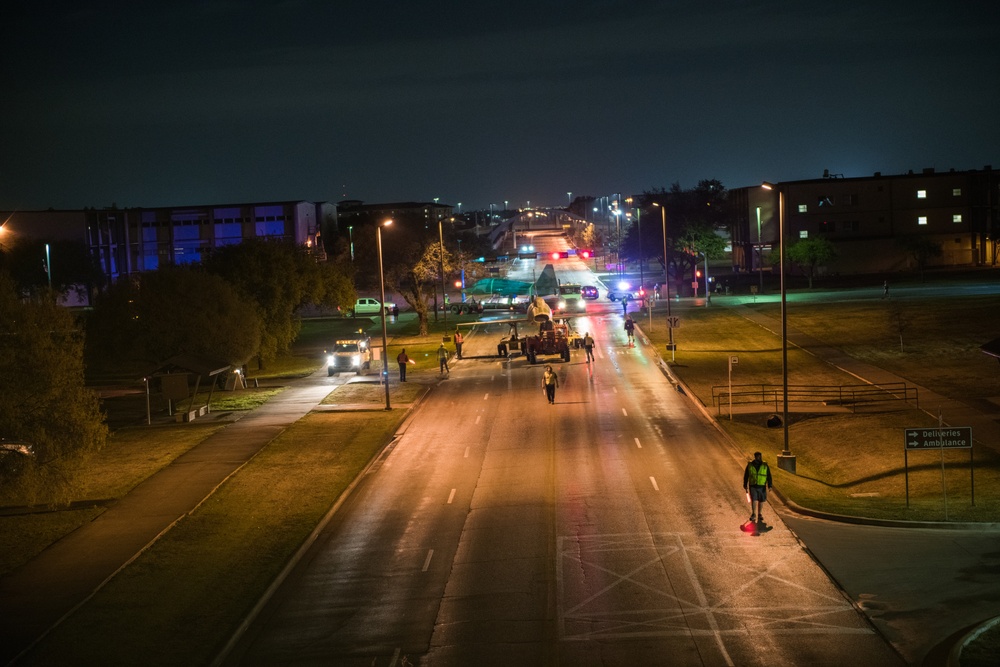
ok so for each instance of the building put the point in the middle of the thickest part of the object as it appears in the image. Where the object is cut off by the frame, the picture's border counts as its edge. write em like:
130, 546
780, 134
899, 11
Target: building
865, 218
133, 240
354, 212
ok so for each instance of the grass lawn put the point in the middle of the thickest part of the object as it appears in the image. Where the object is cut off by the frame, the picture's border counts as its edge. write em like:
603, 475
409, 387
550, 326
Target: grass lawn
226, 553
849, 463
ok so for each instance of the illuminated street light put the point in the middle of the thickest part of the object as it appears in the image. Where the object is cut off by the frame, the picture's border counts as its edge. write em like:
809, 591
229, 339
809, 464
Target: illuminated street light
350, 234
444, 292
385, 337
785, 460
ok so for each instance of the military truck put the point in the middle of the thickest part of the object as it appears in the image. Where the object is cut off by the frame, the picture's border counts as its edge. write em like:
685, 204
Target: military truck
552, 341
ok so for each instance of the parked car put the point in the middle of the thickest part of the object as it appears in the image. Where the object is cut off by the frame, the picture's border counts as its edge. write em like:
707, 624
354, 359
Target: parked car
369, 306
589, 292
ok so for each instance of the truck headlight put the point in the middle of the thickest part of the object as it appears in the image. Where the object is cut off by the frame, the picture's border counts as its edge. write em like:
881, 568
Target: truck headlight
356, 360
329, 359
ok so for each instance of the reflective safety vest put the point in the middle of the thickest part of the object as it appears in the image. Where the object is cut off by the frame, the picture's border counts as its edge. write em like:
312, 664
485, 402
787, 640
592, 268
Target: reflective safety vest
758, 475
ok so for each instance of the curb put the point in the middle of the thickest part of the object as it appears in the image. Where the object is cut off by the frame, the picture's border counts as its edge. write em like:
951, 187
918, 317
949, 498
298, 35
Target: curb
955, 654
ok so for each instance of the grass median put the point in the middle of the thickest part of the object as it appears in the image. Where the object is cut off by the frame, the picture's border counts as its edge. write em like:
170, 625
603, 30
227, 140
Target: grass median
179, 602
853, 463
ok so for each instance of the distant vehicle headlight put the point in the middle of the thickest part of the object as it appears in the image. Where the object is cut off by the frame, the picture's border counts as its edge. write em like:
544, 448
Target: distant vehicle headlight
561, 305
623, 285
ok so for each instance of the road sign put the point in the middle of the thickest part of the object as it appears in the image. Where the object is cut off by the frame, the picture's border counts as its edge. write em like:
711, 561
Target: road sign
673, 322
958, 437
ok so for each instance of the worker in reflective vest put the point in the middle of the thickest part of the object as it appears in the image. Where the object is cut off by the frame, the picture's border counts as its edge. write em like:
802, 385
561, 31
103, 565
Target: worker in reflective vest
756, 482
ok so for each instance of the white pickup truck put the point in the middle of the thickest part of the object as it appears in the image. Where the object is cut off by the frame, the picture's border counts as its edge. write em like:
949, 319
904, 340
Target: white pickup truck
369, 306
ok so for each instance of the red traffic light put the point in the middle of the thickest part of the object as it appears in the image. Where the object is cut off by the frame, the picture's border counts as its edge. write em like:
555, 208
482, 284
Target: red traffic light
555, 255
585, 254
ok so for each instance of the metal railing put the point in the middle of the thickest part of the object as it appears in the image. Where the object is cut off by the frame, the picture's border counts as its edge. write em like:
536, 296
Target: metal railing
847, 395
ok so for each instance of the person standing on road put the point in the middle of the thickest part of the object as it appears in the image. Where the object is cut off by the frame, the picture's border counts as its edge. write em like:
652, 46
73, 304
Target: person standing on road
624, 305
402, 359
756, 482
443, 359
458, 344
549, 383
588, 345
630, 330
885, 289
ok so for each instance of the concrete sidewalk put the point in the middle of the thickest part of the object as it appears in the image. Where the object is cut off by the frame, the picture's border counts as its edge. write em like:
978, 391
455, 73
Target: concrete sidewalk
39, 595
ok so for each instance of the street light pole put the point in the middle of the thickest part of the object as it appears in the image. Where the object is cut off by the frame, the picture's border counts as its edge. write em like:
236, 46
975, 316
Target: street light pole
666, 281
385, 338
786, 461
444, 294
760, 254
350, 234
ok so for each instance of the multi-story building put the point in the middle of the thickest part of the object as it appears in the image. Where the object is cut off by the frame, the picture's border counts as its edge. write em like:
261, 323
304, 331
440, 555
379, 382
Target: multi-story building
132, 240
865, 218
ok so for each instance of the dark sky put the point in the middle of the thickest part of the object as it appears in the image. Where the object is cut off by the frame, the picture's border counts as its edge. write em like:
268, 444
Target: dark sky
183, 102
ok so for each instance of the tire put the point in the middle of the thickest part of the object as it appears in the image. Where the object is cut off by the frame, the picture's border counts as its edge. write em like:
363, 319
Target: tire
330, 372
456, 310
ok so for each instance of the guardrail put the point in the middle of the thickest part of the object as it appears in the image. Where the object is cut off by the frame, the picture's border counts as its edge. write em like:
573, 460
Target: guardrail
851, 395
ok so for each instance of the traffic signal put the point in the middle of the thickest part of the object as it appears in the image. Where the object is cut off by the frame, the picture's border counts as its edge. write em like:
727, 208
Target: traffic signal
584, 253
555, 255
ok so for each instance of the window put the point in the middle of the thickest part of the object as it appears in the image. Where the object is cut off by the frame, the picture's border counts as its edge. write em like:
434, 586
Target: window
922, 220
921, 194
803, 234
957, 217
956, 192
824, 201
803, 208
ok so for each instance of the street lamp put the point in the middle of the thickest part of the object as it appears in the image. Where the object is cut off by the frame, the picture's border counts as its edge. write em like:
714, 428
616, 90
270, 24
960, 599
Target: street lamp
385, 338
444, 293
786, 461
666, 280
760, 254
569, 198
48, 264
350, 234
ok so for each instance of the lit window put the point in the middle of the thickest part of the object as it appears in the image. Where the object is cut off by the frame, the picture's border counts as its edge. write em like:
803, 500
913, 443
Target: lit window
957, 217
956, 192
921, 194
922, 220
803, 234
803, 208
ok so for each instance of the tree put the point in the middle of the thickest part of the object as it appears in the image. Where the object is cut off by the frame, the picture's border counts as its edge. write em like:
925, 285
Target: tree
279, 277
176, 310
72, 266
413, 278
45, 402
920, 249
810, 253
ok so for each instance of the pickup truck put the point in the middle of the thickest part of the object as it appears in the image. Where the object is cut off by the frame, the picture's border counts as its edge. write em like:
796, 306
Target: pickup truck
369, 306
351, 353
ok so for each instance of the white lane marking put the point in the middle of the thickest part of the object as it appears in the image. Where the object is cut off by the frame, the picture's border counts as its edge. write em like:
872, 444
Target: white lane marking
427, 561
624, 413
614, 389
637, 443
653, 480
451, 496
395, 657
478, 417
466, 452
486, 396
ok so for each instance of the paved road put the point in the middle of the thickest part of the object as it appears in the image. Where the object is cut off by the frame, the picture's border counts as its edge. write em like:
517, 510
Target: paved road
603, 529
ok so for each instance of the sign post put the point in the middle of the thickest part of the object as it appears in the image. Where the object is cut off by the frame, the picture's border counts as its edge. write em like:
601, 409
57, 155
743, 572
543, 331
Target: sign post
956, 437
733, 360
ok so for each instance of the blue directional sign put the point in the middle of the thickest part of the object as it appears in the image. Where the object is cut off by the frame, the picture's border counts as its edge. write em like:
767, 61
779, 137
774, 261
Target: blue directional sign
956, 437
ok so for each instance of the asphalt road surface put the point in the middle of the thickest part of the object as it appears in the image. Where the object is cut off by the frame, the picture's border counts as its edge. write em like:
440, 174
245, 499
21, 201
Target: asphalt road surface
602, 530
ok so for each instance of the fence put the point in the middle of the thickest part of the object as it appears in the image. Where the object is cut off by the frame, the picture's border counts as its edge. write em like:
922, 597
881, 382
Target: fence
848, 395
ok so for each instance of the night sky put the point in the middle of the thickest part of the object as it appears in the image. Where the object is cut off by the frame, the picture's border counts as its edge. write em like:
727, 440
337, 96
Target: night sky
183, 102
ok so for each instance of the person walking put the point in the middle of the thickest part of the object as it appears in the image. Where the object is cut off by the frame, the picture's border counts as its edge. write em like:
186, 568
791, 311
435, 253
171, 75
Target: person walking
885, 289
756, 482
549, 383
403, 359
624, 305
443, 359
630, 330
588, 345
459, 339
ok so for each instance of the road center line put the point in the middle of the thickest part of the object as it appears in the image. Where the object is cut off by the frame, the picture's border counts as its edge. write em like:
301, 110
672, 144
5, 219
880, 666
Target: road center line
466, 452
653, 480
637, 443
486, 396
624, 413
478, 417
451, 496
427, 561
